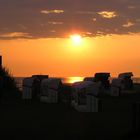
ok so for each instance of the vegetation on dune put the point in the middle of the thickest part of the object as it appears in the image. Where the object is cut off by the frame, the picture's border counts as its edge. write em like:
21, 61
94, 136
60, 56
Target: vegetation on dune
8, 87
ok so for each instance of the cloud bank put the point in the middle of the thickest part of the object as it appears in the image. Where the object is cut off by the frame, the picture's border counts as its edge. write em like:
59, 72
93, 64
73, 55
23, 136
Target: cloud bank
59, 18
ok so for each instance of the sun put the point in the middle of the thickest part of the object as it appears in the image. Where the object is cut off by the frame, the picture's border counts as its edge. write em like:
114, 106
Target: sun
76, 39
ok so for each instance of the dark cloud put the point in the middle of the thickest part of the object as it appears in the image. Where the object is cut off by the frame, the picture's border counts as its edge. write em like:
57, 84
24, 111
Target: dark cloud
57, 18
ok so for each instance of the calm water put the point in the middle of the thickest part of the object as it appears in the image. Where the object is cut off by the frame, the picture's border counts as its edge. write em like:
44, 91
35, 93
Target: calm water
19, 80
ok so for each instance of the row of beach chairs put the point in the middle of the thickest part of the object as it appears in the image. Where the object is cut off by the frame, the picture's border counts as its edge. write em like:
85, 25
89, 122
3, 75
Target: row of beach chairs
84, 95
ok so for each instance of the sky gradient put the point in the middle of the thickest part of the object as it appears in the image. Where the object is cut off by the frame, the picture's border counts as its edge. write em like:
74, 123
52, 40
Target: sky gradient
34, 36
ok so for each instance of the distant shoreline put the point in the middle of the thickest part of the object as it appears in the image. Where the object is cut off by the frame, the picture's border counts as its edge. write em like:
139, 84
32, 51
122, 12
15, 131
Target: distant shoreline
65, 80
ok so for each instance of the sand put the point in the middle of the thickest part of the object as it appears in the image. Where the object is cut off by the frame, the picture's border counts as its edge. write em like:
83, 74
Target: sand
31, 119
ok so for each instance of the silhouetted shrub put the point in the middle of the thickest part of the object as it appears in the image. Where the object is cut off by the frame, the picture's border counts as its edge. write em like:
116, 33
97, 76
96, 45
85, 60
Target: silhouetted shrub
7, 84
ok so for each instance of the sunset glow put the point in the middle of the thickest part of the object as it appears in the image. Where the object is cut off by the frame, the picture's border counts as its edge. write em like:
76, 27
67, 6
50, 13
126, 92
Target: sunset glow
76, 39
56, 57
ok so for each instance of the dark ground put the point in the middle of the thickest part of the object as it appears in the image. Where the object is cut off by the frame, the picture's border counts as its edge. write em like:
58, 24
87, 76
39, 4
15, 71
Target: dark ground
35, 120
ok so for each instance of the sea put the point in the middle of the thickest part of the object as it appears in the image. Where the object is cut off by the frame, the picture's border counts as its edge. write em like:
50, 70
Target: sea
67, 80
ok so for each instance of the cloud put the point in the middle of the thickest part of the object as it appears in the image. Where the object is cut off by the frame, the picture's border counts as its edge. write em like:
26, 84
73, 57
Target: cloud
138, 20
57, 18
86, 12
53, 31
52, 11
15, 35
128, 24
94, 19
107, 14
131, 7
55, 22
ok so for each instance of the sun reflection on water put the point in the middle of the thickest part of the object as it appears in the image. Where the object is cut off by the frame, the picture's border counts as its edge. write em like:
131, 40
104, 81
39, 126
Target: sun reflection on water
71, 80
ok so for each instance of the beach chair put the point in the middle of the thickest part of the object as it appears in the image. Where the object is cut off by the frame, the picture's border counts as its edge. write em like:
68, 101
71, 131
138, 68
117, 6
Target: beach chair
50, 90
82, 93
122, 85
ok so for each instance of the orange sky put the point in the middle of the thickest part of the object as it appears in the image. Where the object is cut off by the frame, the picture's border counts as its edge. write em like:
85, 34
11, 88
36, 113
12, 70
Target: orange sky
59, 57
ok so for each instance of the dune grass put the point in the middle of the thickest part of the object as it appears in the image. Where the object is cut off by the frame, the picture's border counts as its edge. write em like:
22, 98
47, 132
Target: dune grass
8, 86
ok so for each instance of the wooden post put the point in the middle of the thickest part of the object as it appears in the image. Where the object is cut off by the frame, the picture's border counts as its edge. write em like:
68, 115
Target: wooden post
0, 61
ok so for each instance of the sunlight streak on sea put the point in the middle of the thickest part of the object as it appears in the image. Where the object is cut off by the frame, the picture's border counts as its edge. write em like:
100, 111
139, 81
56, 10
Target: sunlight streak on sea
71, 80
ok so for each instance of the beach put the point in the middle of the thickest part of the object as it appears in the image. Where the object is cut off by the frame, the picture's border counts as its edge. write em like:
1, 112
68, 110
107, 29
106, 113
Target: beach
32, 119
38, 120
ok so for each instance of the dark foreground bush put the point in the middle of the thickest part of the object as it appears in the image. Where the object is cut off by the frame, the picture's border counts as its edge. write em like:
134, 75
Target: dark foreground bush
8, 87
